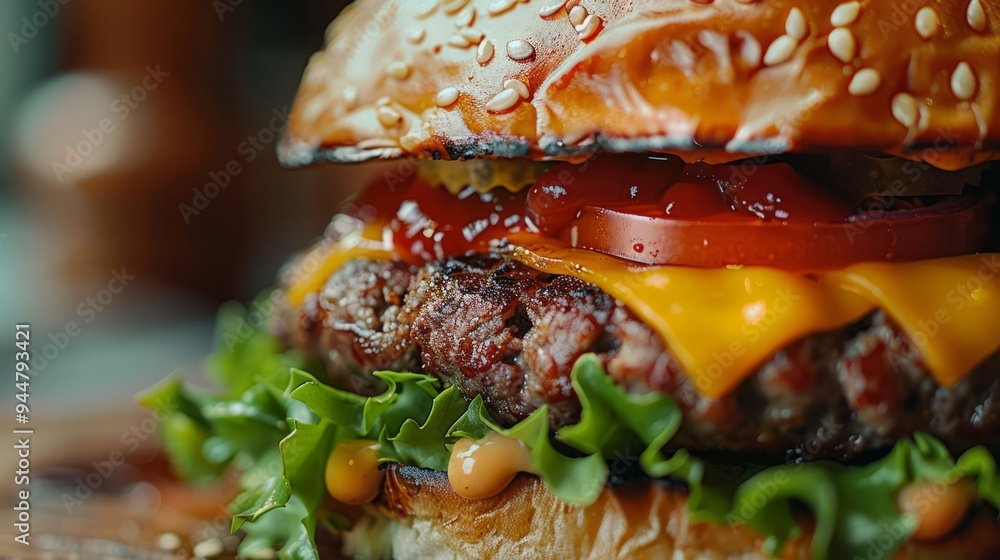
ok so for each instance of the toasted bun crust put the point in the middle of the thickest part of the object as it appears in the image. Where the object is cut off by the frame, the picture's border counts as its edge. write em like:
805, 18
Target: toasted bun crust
643, 520
715, 79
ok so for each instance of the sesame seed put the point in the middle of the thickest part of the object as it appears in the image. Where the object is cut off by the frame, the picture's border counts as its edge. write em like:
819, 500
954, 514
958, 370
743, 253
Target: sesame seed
384, 100
168, 541
388, 116
795, 25
926, 22
547, 11
458, 41
210, 548
427, 8
416, 35
485, 52
446, 97
963, 82
520, 50
452, 7
976, 16
780, 50
904, 108
500, 6
377, 143
842, 44
474, 36
577, 14
518, 86
865, 82
503, 101
465, 17
589, 27
750, 49
845, 14
398, 70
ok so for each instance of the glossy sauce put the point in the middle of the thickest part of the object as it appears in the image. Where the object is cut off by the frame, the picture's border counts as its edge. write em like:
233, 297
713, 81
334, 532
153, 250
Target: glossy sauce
662, 186
935, 508
483, 468
426, 223
352, 474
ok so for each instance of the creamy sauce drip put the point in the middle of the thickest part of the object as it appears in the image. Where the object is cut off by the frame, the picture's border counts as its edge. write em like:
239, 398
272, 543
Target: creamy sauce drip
483, 468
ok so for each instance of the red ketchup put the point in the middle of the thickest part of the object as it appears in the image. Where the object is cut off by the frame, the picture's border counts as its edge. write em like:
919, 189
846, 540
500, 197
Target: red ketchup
664, 187
428, 223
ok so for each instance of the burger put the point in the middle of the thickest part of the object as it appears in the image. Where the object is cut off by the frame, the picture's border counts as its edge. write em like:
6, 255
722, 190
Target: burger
665, 279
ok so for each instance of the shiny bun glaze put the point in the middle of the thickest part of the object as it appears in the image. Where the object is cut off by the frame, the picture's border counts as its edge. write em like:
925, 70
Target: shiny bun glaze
705, 78
635, 520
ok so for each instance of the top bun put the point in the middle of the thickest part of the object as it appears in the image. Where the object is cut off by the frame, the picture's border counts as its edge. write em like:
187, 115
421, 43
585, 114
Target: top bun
718, 79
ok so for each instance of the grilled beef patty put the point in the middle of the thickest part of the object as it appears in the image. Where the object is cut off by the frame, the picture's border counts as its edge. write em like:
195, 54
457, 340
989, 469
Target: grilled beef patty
494, 327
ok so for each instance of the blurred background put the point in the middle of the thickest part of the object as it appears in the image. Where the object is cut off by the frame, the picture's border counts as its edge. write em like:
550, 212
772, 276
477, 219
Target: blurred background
139, 190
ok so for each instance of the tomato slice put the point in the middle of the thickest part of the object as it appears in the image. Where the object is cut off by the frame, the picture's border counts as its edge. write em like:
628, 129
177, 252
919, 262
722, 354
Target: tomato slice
789, 245
660, 211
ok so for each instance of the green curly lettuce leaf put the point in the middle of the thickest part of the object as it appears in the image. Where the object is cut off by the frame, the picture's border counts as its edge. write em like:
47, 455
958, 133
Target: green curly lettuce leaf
274, 493
184, 430
304, 453
612, 418
979, 463
855, 507
277, 425
245, 352
425, 444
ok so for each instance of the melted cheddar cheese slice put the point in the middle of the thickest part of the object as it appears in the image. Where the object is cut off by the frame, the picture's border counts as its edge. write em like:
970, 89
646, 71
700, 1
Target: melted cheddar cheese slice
722, 324
949, 308
314, 267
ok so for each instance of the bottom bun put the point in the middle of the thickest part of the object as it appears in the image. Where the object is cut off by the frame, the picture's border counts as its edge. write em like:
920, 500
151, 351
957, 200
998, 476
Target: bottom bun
632, 520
